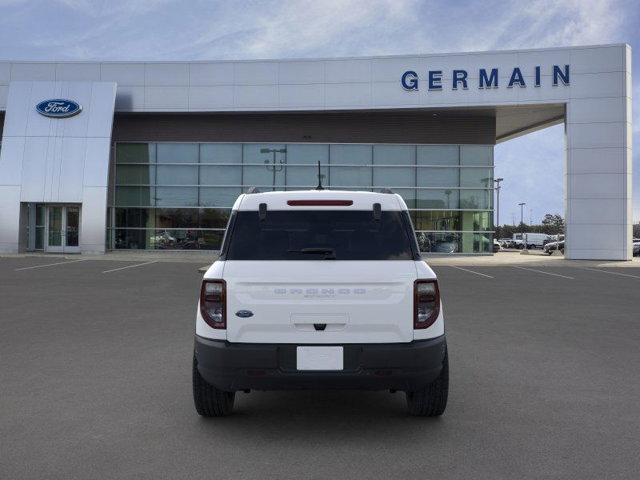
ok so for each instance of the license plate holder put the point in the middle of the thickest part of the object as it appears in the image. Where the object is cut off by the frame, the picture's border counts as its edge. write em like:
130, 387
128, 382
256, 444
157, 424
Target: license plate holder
320, 358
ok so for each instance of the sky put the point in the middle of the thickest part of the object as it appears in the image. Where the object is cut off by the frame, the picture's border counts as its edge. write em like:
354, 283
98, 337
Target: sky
532, 165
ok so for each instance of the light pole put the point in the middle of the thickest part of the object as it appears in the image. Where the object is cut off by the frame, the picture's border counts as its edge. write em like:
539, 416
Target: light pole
524, 240
498, 187
274, 166
522, 213
486, 182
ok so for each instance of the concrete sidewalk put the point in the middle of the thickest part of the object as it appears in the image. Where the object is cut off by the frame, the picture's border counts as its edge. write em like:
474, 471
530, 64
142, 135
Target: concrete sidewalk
186, 256
535, 257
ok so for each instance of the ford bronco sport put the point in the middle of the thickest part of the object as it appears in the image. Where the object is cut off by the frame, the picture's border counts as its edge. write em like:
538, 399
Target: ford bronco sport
320, 289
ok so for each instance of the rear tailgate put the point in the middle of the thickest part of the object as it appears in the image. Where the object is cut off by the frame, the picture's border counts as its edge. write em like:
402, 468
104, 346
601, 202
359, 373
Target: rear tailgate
321, 301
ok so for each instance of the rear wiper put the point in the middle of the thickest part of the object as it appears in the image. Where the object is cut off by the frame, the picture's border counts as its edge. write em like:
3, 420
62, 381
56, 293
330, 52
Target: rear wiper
330, 253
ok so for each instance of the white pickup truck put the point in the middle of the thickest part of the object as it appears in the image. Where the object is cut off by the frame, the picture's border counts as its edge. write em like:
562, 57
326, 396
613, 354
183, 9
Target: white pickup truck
320, 289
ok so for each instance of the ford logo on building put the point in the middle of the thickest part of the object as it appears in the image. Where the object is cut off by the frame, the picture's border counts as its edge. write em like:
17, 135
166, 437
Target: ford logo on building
58, 108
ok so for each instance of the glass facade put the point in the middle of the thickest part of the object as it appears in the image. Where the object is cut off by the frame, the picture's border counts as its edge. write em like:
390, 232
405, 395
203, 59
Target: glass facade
179, 195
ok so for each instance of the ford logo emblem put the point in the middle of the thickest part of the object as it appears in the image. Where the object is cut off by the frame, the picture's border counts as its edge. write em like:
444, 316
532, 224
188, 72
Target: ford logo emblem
244, 313
58, 108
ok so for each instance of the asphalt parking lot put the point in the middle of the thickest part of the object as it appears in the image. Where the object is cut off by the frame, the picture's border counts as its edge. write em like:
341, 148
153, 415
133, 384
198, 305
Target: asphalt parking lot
95, 365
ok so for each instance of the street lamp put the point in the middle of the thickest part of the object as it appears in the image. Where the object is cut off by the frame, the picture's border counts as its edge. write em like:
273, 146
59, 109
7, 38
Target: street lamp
273, 165
522, 213
498, 187
448, 194
486, 182
524, 240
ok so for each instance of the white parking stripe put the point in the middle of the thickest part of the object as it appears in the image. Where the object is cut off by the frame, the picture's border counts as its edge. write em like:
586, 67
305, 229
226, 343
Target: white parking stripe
471, 271
545, 273
49, 265
129, 266
611, 273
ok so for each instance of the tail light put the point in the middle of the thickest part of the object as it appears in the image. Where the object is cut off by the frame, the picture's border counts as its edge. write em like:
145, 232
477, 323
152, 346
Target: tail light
426, 303
213, 303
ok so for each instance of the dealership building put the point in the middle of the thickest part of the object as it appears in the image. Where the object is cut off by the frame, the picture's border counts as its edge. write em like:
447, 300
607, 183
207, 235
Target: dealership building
99, 156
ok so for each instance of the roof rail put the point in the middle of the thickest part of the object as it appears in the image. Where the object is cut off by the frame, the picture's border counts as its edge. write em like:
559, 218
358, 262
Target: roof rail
386, 190
253, 190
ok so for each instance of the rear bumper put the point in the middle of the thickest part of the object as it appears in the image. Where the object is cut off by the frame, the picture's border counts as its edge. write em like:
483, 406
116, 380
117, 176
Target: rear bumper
241, 366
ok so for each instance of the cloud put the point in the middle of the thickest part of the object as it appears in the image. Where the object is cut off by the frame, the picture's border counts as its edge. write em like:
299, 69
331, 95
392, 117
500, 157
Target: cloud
551, 23
161, 29
251, 29
112, 8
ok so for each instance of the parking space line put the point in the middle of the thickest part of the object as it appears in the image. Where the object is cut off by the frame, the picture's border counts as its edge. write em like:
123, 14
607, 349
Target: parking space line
544, 273
49, 265
611, 273
130, 266
471, 271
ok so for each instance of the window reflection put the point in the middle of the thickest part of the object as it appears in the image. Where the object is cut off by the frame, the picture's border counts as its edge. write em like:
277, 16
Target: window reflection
438, 155
476, 199
438, 199
454, 242
171, 217
476, 155
183, 239
177, 153
173, 195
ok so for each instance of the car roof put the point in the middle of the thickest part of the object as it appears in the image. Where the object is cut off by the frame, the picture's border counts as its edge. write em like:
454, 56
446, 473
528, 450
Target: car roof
358, 200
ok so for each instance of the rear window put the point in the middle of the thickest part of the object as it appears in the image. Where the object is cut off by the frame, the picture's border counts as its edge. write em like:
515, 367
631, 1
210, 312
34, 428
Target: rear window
320, 235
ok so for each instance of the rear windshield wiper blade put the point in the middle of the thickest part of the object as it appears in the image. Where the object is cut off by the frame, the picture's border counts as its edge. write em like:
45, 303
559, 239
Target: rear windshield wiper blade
330, 253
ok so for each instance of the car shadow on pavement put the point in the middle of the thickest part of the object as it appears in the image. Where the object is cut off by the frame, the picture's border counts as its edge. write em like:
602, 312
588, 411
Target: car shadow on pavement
345, 414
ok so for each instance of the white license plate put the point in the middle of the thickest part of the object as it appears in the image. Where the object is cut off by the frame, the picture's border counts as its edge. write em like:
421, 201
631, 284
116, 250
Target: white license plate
320, 358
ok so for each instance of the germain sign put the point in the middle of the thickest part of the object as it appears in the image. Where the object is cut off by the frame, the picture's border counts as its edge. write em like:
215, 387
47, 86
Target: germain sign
58, 108
487, 78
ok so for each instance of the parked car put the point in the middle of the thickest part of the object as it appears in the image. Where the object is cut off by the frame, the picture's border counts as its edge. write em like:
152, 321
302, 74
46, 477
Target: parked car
320, 289
438, 242
550, 247
445, 246
496, 246
533, 240
554, 238
506, 243
636, 247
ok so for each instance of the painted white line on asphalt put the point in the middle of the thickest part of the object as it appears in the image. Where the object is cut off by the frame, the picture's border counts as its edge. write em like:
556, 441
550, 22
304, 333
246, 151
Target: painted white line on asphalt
49, 265
129, 266
545, 273
471, 271
611, 273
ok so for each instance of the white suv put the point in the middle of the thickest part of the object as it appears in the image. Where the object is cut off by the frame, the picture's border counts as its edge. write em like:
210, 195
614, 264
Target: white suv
320, 289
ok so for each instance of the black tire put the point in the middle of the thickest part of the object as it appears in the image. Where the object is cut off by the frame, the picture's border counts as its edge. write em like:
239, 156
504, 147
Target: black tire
431, 401
209, 401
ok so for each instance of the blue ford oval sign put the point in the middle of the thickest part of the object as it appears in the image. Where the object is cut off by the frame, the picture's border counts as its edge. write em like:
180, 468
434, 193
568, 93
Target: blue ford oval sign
58, 108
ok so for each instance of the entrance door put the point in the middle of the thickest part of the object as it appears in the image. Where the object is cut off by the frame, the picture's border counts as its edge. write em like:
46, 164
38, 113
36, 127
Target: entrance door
63, 228
54, 230
72, 229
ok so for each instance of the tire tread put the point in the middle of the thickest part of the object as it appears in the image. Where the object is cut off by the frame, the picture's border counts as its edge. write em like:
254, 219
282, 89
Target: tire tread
209, 401
431, 401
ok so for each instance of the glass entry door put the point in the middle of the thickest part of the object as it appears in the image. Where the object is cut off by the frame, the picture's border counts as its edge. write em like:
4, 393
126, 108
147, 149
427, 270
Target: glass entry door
72, 229
62, 229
